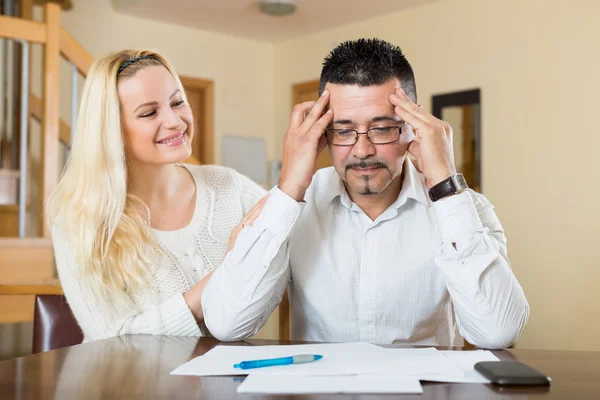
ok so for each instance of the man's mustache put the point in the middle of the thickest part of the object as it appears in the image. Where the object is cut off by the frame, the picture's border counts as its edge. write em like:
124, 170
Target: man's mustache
366, 164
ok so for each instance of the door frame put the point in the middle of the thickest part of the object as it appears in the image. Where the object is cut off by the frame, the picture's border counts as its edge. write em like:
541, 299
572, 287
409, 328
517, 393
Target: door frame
208, 115
303, 87
463, 98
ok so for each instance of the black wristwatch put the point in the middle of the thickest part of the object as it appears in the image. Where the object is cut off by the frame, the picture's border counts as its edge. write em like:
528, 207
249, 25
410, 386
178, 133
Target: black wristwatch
453, 185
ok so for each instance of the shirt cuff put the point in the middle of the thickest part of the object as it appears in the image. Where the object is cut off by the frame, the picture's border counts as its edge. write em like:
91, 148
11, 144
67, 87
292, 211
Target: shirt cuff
280, 213
457, 215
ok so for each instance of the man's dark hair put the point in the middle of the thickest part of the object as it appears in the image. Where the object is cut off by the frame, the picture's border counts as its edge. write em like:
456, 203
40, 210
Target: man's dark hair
367, 62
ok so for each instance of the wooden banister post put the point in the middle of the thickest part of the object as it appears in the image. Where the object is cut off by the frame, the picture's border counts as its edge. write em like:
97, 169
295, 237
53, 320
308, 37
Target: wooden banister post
50, 133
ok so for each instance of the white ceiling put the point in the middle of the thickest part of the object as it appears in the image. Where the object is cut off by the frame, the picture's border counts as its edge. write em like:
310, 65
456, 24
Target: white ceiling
243, 17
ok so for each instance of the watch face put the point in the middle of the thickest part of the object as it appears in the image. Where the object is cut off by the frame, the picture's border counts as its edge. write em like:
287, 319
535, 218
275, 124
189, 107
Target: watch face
460, 183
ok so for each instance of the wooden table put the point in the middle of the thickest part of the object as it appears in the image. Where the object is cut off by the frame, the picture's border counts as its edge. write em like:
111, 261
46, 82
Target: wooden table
138, 367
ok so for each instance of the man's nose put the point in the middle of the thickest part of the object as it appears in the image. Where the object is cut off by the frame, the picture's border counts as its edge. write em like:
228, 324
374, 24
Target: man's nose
363, 148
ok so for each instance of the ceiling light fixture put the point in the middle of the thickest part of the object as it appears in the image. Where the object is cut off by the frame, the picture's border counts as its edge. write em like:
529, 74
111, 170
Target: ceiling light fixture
278, 8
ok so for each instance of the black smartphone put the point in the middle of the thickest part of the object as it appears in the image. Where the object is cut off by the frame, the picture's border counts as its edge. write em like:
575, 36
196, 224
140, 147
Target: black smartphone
511, 373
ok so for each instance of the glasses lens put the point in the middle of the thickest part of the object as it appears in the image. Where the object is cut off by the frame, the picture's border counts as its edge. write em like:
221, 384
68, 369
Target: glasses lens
341, 137
384, 134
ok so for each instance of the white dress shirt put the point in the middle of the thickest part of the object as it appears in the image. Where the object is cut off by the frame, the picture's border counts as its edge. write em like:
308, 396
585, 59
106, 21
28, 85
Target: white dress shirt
421, 273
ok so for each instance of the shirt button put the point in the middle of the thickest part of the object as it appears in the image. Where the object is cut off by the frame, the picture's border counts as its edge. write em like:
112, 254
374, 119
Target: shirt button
463, 263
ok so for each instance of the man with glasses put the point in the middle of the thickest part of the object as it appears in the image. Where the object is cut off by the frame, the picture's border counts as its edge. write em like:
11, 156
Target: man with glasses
377, 248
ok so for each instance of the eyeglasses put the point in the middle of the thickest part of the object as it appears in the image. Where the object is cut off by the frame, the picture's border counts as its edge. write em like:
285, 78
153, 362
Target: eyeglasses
349, 137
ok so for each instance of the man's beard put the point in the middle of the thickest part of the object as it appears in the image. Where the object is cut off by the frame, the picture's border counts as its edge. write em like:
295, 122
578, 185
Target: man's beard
368, 190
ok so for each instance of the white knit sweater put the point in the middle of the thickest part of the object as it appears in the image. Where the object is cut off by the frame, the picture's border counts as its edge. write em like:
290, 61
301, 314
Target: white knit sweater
223, 196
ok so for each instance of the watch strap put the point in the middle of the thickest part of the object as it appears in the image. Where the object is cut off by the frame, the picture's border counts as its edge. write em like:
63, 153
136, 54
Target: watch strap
453, 185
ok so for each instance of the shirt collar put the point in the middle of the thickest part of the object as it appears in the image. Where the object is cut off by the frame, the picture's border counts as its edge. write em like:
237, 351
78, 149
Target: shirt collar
413, 187
336, 187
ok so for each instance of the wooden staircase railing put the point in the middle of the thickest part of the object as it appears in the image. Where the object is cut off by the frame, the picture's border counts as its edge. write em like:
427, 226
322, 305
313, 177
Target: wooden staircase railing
30, 261
27, 265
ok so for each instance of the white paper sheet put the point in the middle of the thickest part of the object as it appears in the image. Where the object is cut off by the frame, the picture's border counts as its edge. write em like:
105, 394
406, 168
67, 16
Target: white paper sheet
289, 384
220, 360
338, 359
410, 363
466, 361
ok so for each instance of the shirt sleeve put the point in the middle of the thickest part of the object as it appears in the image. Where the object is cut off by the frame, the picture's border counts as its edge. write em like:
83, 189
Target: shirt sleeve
489, 303
245, 289
100, 320
250, 191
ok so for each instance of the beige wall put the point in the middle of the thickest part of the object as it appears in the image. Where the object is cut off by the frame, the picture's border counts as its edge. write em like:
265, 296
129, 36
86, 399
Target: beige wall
536, 62
242, 69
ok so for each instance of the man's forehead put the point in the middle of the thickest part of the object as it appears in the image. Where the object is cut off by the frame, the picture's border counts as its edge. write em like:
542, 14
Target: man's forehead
355, 104
353, 96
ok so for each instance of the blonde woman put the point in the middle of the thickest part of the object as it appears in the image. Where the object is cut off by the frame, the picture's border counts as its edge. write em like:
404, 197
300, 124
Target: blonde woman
137, 235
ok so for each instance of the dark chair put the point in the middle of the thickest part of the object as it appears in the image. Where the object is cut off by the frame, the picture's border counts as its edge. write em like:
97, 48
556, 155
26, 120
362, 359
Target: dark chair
54, 325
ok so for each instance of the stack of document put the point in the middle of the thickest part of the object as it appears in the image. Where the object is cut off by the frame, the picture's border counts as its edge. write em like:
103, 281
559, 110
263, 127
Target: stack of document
345, 368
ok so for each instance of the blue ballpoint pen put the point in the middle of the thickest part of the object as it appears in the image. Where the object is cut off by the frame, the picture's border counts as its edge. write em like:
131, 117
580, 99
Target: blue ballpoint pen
269, 362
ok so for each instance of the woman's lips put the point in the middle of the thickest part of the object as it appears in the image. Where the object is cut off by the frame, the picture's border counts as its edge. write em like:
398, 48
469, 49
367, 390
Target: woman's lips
173, 140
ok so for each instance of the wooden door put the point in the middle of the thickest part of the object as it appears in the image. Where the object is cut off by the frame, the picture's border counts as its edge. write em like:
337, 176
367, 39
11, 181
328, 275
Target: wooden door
469, 162
194, 97
200, 95
309, 91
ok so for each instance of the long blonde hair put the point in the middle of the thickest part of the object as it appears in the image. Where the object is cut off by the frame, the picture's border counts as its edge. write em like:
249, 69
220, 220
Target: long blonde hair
105, 226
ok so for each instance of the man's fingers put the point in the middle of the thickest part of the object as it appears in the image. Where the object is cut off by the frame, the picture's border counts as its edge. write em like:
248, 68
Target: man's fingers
319, 127
423, 123
316, 112
410, 119
299, 113
402, 100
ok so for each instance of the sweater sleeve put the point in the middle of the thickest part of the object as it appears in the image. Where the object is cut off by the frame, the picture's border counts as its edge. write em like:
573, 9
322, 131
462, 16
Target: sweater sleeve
99, 320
